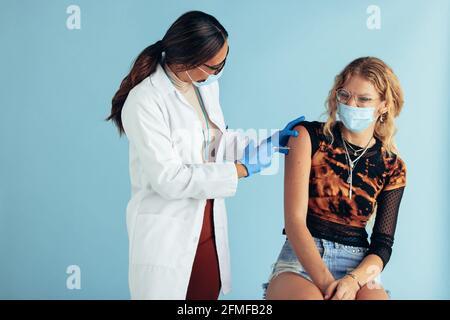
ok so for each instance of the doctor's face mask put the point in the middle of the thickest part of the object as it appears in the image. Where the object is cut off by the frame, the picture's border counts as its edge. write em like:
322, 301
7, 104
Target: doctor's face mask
211, 78
214, 71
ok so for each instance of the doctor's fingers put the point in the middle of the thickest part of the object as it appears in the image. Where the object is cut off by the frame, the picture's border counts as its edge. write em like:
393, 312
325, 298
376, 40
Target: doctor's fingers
293, 133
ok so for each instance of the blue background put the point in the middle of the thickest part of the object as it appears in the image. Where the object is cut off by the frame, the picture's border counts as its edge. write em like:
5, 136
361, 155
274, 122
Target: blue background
64, 181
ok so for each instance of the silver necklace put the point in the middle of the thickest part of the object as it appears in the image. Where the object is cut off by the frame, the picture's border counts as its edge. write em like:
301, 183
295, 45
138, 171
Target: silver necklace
355, 152
352, 163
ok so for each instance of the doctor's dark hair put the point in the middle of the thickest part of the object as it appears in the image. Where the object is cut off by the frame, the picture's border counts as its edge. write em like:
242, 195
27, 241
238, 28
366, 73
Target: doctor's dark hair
194, 38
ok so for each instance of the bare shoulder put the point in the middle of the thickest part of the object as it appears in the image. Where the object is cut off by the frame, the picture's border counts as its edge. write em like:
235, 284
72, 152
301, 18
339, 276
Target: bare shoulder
300, 144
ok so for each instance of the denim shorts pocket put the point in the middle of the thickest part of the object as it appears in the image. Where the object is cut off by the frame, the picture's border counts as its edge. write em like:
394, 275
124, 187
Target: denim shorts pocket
288, 254
319, 246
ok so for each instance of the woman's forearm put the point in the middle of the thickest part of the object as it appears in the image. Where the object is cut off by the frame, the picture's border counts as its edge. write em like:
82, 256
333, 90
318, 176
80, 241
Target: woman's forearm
308, 254
369, 268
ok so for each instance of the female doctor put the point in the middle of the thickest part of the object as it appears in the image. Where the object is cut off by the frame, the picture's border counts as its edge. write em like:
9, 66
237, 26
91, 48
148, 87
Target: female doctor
183, 162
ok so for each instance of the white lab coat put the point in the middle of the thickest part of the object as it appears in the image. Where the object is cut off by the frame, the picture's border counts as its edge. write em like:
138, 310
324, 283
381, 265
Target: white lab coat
170, 184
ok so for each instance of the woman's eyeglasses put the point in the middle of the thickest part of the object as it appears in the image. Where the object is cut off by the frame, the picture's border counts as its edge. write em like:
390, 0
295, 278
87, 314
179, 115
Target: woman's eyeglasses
362, 101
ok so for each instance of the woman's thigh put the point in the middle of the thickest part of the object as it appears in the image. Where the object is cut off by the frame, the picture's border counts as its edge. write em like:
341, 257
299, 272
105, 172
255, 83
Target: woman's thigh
291, 286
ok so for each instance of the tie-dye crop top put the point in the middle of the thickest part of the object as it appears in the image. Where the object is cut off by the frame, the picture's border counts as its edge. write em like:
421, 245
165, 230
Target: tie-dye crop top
379, 180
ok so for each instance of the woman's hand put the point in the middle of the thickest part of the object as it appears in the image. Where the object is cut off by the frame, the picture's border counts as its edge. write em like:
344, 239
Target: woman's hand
325, 284
345, 288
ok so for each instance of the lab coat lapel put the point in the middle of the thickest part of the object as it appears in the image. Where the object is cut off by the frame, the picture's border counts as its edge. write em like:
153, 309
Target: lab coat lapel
212, 106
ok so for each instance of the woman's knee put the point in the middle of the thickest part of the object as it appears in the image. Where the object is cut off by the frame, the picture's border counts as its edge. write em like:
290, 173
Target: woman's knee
372, 293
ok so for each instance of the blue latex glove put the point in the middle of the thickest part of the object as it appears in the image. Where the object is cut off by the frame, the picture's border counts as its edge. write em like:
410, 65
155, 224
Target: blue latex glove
257, 158
281, 138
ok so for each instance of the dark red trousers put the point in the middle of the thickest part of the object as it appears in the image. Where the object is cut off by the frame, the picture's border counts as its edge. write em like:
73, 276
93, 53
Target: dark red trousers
204, 283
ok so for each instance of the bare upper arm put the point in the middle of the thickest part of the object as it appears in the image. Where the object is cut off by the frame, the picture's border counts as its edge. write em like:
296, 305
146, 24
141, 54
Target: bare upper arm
296, 176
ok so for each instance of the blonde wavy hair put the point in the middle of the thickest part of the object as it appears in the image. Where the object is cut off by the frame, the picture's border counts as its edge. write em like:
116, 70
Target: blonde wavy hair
388, 87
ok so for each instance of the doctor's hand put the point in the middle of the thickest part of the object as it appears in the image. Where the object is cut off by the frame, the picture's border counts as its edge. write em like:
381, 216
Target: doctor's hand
241, 170
281, 138
256, 158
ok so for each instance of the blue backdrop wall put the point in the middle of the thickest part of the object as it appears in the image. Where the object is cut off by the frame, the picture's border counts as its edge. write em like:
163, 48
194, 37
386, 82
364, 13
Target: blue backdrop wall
64, 181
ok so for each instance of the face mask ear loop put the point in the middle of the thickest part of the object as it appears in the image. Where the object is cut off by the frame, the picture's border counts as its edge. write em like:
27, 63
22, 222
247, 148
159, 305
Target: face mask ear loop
196, 82
204, 71
189, 76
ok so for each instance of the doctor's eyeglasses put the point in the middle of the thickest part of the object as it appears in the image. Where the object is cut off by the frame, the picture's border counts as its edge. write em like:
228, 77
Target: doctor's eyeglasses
218, 67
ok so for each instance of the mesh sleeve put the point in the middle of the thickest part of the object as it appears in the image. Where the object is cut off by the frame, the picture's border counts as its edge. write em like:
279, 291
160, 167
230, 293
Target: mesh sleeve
382, 237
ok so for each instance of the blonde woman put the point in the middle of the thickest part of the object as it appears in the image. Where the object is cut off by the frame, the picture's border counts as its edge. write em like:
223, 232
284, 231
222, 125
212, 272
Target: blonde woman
338, 174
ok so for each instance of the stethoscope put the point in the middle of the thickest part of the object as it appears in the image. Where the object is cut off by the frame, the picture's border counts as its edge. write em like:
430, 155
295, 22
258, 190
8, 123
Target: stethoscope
206, 142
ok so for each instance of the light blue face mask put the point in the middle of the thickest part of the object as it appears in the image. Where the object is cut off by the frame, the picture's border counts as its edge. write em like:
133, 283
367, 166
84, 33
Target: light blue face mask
211, 78
355, 119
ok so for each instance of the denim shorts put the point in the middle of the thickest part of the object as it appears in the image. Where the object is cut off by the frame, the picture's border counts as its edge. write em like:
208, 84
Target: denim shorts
339, 258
